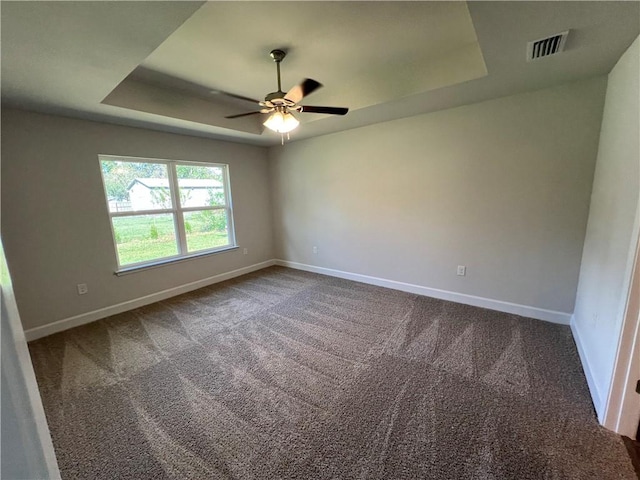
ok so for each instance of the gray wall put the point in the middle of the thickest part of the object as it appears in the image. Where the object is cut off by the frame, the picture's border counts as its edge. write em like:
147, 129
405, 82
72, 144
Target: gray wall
612, 230
501, 186
56, 226
25, 443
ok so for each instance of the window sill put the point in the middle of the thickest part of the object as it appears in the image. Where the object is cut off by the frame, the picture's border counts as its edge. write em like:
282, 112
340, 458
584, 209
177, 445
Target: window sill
170, 261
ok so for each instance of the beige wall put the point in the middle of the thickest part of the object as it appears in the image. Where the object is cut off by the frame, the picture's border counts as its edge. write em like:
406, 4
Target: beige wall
501, 186
612, 230
55, 224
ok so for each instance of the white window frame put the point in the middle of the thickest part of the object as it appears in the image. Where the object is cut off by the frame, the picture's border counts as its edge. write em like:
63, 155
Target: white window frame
177, 211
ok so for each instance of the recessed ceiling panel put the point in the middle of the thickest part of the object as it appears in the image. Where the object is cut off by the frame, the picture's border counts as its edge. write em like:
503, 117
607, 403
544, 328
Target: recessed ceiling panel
365, 53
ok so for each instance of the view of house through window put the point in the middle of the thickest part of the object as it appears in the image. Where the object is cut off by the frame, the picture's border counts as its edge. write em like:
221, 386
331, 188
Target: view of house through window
165, 209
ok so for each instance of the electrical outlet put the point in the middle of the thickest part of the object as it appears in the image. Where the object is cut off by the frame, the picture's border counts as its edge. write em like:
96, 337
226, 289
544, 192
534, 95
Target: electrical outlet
245, 251
82, 289
462, 270
315, 249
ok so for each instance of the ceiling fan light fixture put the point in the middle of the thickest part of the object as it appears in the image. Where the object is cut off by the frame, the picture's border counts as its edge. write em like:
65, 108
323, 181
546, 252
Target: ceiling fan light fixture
280, 105
281, 122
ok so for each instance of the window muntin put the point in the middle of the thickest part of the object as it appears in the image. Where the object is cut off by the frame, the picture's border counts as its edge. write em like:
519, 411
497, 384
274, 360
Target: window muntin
162, 210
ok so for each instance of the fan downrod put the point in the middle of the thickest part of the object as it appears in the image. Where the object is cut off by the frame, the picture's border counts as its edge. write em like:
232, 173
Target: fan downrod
277, 55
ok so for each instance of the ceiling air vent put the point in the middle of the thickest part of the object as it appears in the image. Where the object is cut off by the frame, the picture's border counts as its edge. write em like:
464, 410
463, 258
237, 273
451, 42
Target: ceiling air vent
546, 46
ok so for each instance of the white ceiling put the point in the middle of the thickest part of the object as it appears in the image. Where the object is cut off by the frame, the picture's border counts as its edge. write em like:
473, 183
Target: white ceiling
155, 64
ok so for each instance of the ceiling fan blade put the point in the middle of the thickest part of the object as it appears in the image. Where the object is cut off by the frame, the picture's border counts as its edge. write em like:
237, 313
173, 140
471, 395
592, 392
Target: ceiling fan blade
329, 110
233, 95
243, 115
300, 91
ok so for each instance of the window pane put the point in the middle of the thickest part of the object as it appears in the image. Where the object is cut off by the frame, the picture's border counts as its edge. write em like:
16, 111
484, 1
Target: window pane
141, 238
135, 186
200, 186
206, 229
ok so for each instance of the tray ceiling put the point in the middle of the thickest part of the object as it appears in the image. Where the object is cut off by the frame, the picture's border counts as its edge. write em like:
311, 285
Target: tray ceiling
159, 64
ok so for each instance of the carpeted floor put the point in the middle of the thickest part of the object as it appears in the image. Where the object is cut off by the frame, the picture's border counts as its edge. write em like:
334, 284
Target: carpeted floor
288, 374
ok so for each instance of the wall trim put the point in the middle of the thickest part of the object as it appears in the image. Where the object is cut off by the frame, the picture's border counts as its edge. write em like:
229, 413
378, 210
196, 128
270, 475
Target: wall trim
596, 397
517, 309
618, 414
88, 317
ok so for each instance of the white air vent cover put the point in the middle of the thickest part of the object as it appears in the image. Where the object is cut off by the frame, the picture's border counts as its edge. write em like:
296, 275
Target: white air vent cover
546, 46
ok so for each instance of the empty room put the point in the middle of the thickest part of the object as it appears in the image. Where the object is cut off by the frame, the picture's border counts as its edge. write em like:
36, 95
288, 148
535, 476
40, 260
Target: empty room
320, 240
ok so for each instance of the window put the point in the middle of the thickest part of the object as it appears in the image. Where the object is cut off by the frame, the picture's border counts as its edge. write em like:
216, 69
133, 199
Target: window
166, 210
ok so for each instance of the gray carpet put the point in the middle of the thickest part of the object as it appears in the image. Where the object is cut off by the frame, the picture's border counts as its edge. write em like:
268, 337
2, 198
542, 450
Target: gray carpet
288, 374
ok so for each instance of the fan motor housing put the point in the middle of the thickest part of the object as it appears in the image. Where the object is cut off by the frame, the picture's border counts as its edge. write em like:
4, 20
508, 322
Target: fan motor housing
275, 96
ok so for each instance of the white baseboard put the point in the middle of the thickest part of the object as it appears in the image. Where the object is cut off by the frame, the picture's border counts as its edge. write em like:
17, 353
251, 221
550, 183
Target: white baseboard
84, 318
523, 310
588, 372
67, 323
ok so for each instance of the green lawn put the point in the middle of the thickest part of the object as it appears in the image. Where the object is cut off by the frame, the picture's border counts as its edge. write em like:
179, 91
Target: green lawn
149, 237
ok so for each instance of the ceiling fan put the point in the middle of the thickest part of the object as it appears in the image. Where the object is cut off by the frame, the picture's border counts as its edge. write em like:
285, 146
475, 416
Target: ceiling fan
282, 105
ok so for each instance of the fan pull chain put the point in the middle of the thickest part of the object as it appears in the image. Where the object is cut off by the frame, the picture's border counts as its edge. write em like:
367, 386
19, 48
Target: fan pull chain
282, 138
